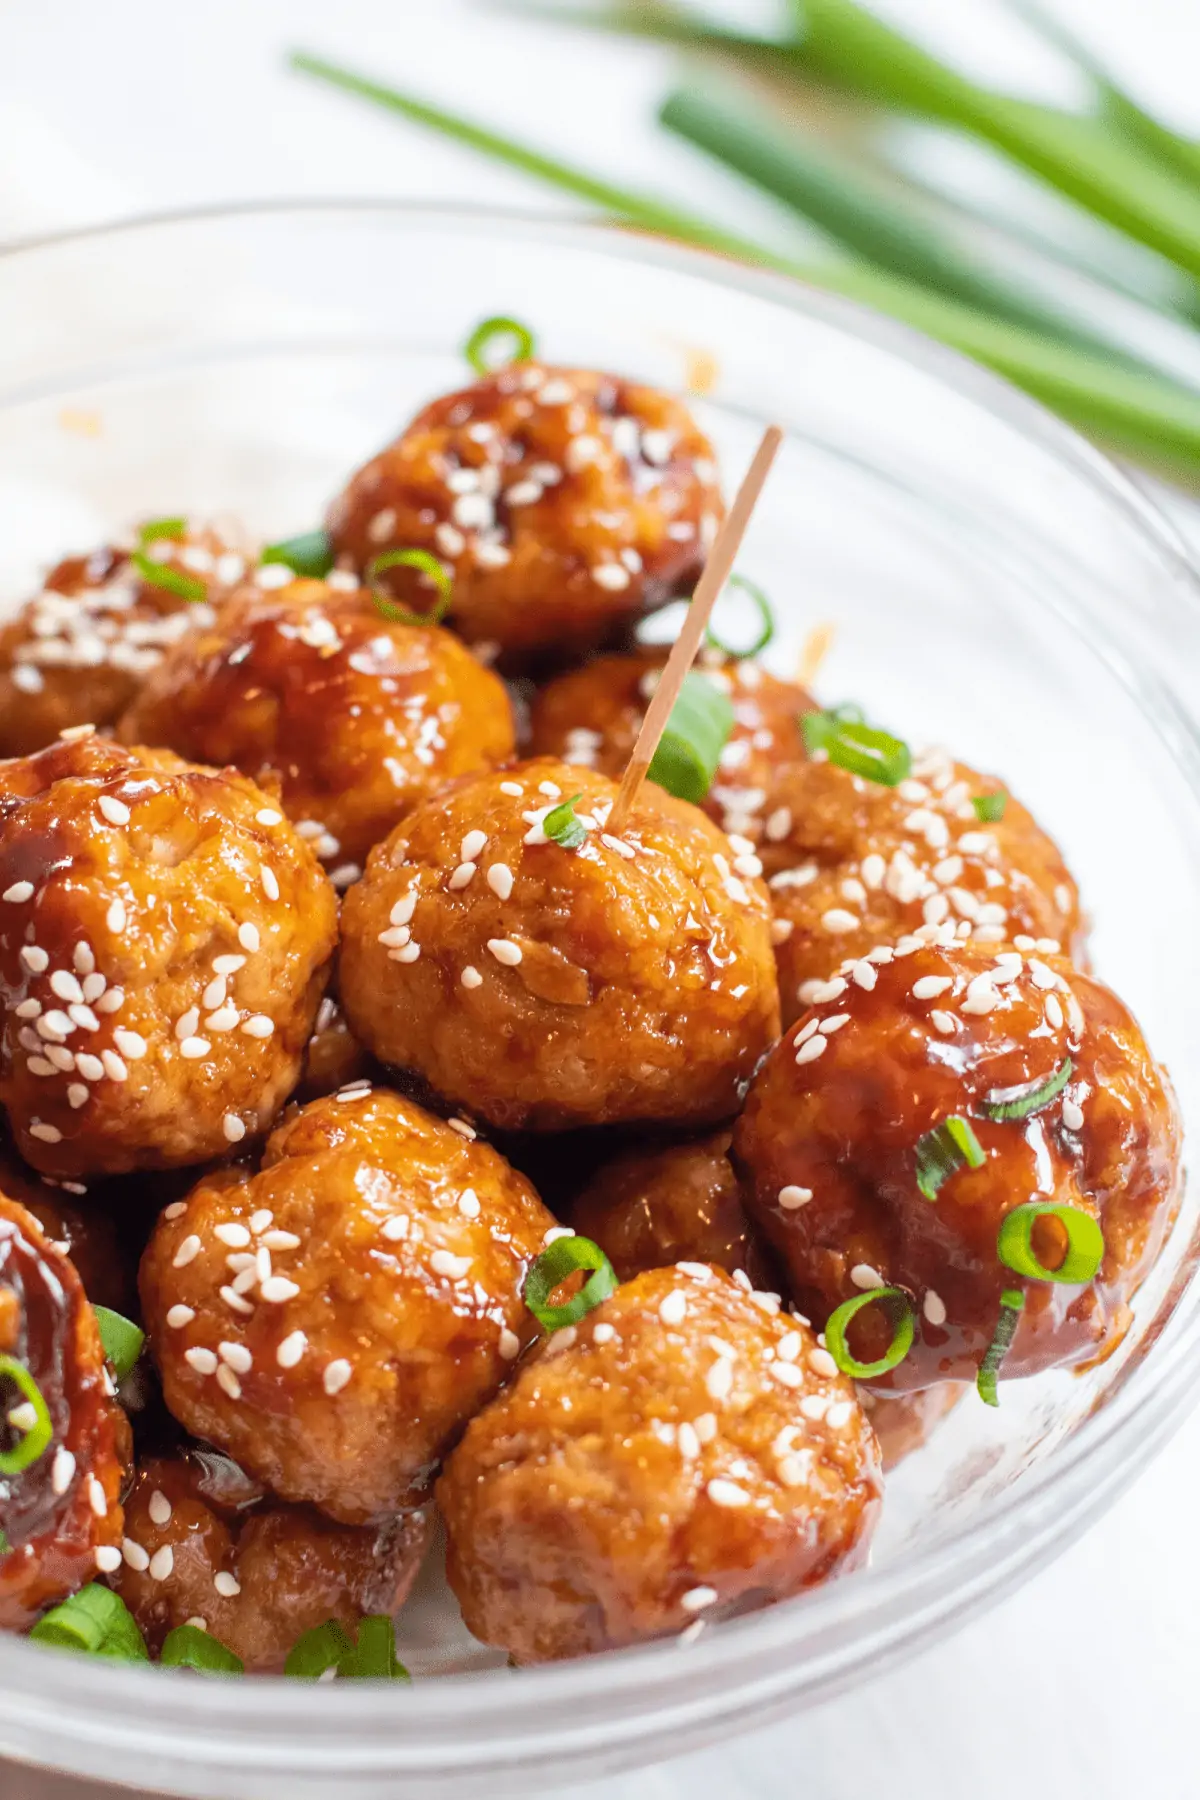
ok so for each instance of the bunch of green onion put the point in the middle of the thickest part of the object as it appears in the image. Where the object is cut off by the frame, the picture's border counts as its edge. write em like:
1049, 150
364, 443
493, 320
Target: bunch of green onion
894, 245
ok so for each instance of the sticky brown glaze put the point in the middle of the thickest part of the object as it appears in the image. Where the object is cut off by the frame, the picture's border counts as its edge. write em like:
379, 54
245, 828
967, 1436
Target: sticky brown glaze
670, 1203
630, 979
77, 653
62, 1510
563, 502
836, 1114
80, 1225
165, 938
204, 1544
397, 1249
592, 717
852, 864
655, 1466
906, 1422
334, 1058
355, 718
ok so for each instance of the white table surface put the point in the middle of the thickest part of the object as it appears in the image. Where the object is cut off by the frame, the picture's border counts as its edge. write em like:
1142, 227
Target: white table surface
1084, 1684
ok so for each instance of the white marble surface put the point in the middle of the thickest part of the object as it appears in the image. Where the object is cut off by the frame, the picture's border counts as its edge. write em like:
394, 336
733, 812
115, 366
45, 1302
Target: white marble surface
1085, 1683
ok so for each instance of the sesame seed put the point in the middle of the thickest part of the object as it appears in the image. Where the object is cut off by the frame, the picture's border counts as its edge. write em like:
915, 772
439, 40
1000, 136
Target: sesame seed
131, 1044
233, 1234
1072, 1114
505, 951
611, 576
930, 986
77, 1095
291, 1349
409, 954
697, 1271
237, 1356
837, 919
62, 1471
821, 1363
839, 1414
115, 811
247, 937
835, 1023
934, 1308
500, 880
336, 1375
863, 975
943, 1022
697, 1598
463, 1128
257, 1026
227, 1585
791, 1198
468, 1203
114, 1068
235, 1301
179, 1316
673, 1309
281, 1240
719, 1379
49, 1134
228, 965
162, 1563
461, 876
726, 1493
35, 959
267, 815
228, 1382
472, 845
864, 1276
108, 1559
442, 1262
200, 1359
810, 1051
28, 1009
510, 1343
603, 1333
193, 1048
277, 1289
159, 1508
19, 892
787, 1374
135, 1556
814, 1406
513, 789
112, 1001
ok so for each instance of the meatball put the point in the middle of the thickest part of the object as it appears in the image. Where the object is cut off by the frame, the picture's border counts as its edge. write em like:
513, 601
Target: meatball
77, 653
356, 717
60, 1517
592, 717
630, 978
78, 1225
683, 1453
333, 1321
659, 1205
334, 1058
164, 941
834, 1140
852, 864
906, 1422
205, 1545
564, 503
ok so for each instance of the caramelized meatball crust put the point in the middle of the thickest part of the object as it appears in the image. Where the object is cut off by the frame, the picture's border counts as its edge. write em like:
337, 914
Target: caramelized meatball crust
77, 653
683, 1453
563, 502
60, 1516
334, 1058
852, 864
81, 1226
592, 715
357, 718
204, 1545
669, 1203
333, 1321
628, 979
827, 1148
165, 938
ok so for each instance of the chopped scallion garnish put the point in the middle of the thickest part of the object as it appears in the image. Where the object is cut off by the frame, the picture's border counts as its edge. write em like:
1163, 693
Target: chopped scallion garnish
122, 1340
1019, 1102
897, 1303
161, 528
172, 581
567, 1256
1011, 1302
1084, 1242
427, 564
766, 622
187, 1647
860, 749
309, 554
989, 808
328, 1646
96, 1622
949, 1146
317, 1650
35, 1441
499, 331
562, 827
691, 744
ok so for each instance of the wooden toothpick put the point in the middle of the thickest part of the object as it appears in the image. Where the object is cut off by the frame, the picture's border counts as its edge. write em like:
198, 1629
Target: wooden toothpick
716, 574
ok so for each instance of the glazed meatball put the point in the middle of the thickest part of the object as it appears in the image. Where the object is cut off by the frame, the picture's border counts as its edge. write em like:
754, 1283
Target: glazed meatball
905, 1422
629, 978
853, 864
828, 1147
684, 1453
334, 1058
164, 941
61, 1515
205, 1544
670, 1203
563, 502
77, 653
356, 717
78, 1224
592, 717
333, 1321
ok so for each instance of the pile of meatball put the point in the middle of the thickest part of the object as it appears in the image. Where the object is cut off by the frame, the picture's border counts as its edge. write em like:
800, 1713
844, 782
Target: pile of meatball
315, 1039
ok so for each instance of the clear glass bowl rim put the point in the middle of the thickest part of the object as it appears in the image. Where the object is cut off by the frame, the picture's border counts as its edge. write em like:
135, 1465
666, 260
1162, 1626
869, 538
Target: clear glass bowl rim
753, 1668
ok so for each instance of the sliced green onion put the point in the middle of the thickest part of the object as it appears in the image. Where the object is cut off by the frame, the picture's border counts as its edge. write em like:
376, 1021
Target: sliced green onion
5, 1546
1019, 1102
860, 749
949, 1146
187, 1647
173, 581
374, 1657
491, 332
122, 1340
318, 1650
989, 808
565, 1256
96, 1622
766, 622
1085, 1242
309, 554
35, 1441
428, 564
161, 528
696, 733
897, 1303
1011, 1302
562, 827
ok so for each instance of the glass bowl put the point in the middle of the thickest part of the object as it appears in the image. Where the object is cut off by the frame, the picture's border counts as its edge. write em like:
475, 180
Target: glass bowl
995, 584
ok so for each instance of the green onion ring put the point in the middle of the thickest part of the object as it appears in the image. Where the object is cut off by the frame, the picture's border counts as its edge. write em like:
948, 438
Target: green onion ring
317, 1651
562, 827
1011, 1302
122, 1339
96, 1622
1020, 1102
898, 1349
1085, 1242
949, 1146
766, 622
172, 581
36, 1440
989, 808
428, 564
187, 1647
374, 1657
859, 749
161, 528
309, 554
487, 332
564, 1257
691, 744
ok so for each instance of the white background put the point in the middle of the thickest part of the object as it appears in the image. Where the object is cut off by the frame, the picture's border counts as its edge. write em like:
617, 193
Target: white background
1085, 1684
